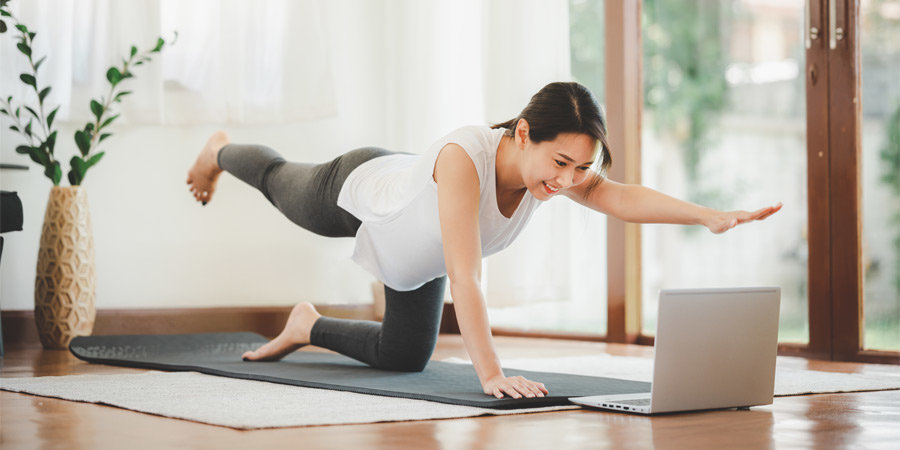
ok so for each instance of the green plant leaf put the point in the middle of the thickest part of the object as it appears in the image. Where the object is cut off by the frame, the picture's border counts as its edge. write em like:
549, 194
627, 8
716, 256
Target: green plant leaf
79, 167
37, 65
24, 48
38, 156
134, 51
22, 28
28, 129
83, 141
2, 23
51, 116
159, 45
43, 94
33, 112
28, 79
57, 173
104, 136
32, 35
114, 76
51, 142
14, 128
23, 149
108, 121
95, 159
5, 13
18, 112
96, 108
120, 95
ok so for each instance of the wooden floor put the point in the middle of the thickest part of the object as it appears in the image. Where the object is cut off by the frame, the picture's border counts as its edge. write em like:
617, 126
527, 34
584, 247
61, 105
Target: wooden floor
857, 420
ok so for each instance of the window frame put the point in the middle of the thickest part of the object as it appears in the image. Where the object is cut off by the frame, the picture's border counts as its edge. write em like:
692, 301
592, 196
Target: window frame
835, 296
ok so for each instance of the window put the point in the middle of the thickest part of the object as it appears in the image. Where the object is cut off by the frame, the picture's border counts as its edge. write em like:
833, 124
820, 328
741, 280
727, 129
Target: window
724, 126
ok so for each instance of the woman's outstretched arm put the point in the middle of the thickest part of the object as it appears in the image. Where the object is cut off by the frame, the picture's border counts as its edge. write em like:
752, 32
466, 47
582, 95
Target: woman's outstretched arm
640, 204
458, 195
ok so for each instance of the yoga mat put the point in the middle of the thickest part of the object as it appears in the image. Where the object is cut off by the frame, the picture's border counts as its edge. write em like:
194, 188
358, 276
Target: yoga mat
220, 354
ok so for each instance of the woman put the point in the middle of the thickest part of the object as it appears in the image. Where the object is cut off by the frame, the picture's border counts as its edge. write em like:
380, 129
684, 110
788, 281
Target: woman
419, 220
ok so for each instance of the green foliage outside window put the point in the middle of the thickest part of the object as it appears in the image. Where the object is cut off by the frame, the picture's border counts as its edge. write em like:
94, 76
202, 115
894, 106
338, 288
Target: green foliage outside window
684, 77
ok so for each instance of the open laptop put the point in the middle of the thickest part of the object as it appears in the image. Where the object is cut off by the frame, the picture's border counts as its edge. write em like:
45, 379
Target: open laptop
715, 348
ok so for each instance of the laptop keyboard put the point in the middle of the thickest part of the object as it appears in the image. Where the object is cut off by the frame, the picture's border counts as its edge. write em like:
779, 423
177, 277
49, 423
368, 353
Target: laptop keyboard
635, 402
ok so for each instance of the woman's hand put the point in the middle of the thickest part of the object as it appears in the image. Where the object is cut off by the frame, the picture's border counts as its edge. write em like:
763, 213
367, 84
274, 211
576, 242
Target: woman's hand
720, 221
515, 387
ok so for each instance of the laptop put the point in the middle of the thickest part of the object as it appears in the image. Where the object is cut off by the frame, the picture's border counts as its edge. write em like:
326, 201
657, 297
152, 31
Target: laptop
714, 349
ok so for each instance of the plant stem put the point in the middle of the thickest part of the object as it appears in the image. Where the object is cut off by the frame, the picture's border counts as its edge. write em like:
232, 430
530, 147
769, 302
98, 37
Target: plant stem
8, 107
108, 101
42, 119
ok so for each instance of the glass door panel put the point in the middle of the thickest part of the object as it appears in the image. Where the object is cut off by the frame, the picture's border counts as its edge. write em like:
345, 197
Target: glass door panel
880, 47
724, 125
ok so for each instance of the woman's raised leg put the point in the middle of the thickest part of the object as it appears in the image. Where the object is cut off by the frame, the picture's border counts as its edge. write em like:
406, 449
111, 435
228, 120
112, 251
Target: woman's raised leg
305, 193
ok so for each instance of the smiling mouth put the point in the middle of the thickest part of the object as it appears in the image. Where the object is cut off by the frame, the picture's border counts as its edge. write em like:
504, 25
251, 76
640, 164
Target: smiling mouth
549, 189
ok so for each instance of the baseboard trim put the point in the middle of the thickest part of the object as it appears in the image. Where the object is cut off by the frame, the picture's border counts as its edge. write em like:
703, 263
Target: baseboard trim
19, 328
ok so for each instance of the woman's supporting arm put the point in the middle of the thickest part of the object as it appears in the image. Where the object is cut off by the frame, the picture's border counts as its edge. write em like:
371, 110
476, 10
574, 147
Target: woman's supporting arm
640, 204
458, 198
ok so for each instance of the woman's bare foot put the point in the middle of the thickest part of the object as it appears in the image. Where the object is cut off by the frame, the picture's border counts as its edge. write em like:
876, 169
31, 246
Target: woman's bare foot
295, 335
205, 173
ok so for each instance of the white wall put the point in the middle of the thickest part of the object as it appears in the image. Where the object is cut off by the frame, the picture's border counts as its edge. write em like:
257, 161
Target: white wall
157, 248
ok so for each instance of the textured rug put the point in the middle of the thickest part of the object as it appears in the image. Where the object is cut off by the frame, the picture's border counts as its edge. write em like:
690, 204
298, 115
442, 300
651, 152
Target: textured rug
246, 404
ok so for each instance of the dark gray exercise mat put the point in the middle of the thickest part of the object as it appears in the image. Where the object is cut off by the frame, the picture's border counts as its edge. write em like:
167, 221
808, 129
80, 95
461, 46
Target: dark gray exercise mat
220, 354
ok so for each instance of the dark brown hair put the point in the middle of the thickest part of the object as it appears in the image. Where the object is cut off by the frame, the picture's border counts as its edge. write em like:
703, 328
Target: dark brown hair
565, 107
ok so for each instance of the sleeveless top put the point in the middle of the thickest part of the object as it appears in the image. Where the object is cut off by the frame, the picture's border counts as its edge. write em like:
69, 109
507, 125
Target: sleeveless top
395, 198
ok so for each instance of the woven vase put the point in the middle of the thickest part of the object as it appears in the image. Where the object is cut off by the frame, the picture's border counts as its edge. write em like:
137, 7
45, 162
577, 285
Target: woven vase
64, 285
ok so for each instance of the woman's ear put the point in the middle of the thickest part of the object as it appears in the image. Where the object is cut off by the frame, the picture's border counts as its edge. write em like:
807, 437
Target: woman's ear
521, 133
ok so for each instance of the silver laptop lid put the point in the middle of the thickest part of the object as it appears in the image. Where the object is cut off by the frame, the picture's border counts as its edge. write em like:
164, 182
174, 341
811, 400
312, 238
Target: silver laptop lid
715, 348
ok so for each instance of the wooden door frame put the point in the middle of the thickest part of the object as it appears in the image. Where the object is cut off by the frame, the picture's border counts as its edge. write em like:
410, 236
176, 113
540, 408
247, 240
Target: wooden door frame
844, 189
624, 103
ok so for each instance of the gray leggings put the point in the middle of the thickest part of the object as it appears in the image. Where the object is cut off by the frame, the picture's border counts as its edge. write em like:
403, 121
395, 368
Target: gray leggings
307, 195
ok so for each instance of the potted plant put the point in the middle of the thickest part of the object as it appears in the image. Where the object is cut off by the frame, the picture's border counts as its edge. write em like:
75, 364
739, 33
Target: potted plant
65, 279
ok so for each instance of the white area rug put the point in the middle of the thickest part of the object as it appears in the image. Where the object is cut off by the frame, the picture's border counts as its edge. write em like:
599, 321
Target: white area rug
246, 404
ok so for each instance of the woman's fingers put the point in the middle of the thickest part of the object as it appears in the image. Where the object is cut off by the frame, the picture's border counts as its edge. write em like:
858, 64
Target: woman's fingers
523, 389
534, 387
766, 212
771, 211
511, 391
516, 387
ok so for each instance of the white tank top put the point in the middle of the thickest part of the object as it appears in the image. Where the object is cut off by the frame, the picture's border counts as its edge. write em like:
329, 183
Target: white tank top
395, 197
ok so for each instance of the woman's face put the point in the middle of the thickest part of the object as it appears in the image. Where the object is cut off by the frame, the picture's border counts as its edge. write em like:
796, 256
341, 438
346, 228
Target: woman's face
550, 167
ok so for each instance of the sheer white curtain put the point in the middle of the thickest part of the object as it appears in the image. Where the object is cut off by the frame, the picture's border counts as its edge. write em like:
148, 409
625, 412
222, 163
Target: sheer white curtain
560, 257
234, 61
446, 63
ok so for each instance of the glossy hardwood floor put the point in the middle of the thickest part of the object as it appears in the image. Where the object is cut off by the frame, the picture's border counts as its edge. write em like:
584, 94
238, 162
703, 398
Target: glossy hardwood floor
857, 420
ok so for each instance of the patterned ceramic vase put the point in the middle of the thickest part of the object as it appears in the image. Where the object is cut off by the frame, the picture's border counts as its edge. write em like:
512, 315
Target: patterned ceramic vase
64, 285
